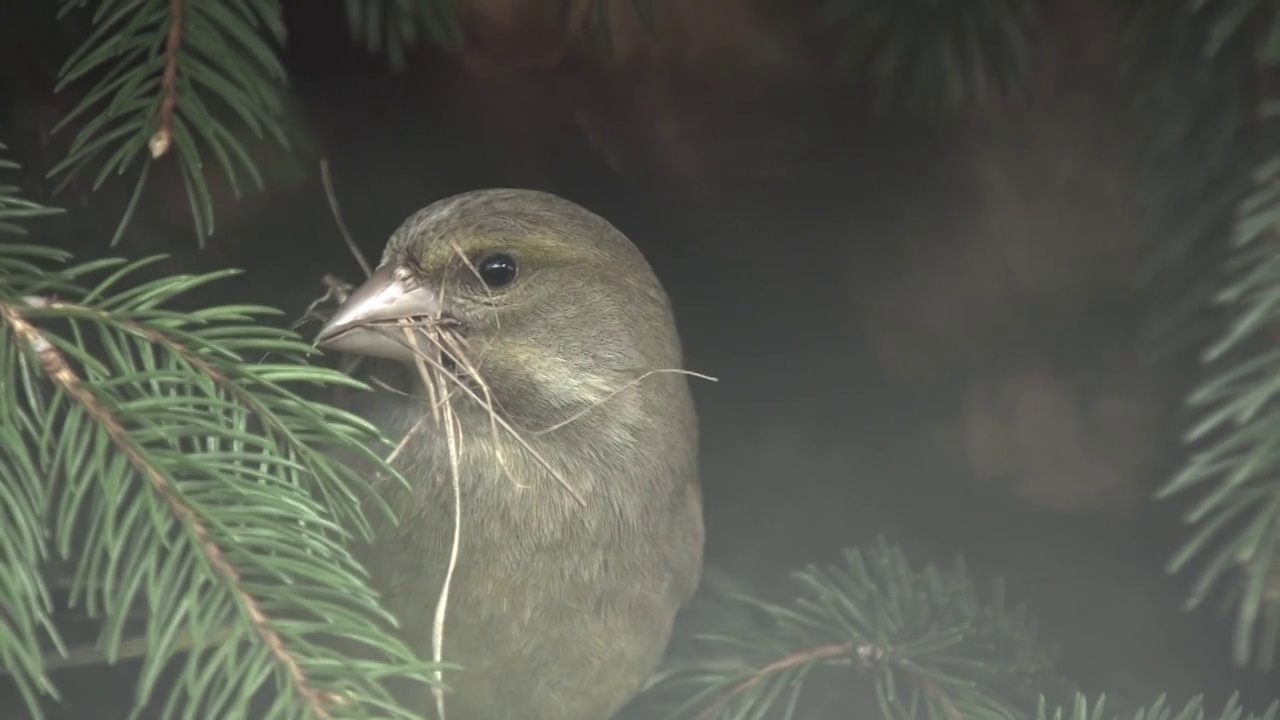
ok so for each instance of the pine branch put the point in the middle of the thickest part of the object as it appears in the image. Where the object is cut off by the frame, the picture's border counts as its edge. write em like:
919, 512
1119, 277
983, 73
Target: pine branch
166, 74
926, 640
13, 207
934, 56
26, 602
1236, 521
396, 26
1199, 158
191, 481
1083, 709
26, 605
929, 645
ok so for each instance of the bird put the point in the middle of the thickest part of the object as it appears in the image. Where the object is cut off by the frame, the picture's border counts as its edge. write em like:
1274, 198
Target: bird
580, 533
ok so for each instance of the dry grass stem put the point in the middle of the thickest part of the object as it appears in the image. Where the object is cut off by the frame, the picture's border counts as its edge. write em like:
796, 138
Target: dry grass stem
430, 374
451, 344
636, 381
327, 178
404, 441
334, 290
442, 384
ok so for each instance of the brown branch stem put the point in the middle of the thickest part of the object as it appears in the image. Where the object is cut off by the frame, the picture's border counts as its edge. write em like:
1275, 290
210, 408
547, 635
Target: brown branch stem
326, 177
931, 688
870, 655
162, 140
787, 662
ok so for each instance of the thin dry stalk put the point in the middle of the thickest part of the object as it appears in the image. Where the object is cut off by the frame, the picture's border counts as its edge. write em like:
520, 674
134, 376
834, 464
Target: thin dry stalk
447, 343
452, 344
444, 414
404, 441
590, 408
432, 372
327, 179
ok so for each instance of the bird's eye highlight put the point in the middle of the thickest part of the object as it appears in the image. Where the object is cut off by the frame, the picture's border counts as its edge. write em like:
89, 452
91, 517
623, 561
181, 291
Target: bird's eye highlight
497, 270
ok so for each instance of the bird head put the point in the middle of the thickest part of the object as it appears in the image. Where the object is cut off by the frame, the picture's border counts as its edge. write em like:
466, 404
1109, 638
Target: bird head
554, 308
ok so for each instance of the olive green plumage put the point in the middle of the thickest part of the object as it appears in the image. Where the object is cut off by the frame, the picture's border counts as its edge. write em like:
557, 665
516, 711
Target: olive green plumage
558, 610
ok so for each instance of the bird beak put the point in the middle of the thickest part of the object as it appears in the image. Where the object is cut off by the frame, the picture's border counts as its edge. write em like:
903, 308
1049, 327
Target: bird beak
364, 324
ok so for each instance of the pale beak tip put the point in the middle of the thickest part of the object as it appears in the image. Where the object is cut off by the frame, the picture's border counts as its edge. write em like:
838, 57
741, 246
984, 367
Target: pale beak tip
326, 334
383, 298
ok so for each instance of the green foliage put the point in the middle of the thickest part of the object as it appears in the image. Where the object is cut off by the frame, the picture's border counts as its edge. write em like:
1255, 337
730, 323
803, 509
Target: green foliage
928, 55
1198, 115
930, 644
13, 207
927, 641
190, 77
26, 606
1236, 520
213, 478
1082, 709
396, 25
183, 472
185, 83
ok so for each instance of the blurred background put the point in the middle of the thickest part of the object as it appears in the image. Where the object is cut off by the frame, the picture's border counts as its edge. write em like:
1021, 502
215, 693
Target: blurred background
927, 323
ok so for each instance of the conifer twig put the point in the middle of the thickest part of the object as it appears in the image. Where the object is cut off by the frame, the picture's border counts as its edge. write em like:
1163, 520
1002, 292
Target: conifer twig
162, 140
59, 371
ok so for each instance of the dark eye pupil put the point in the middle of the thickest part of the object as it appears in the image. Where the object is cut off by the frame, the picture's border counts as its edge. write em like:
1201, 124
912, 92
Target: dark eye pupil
497, 270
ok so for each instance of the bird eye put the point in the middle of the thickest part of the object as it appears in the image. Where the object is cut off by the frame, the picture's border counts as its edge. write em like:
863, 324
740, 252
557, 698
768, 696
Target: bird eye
497, 270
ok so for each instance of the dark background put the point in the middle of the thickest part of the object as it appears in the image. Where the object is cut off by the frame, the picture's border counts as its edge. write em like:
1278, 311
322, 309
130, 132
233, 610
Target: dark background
834, 267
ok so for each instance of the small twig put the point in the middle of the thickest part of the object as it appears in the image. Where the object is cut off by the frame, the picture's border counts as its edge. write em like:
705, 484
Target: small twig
335, 290
930, 687
870, 655
162, 140
404, 441
874, 655
327, 179
785, 663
